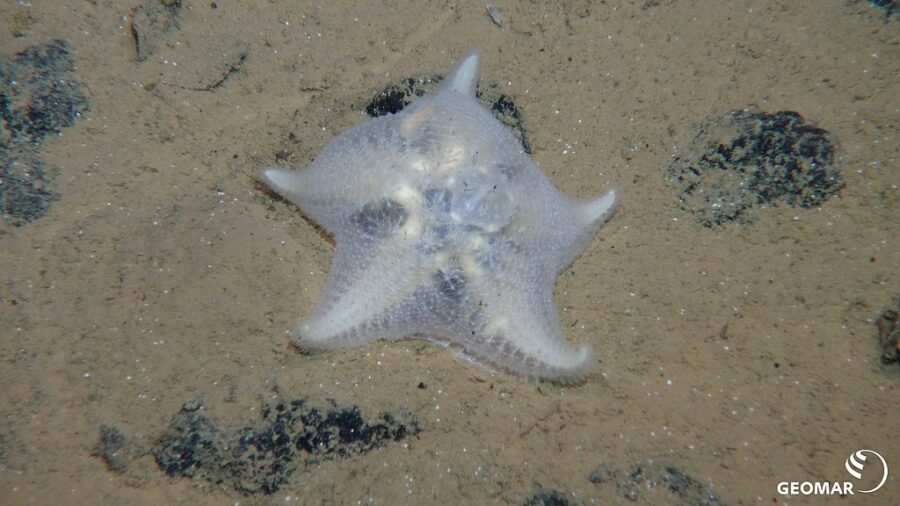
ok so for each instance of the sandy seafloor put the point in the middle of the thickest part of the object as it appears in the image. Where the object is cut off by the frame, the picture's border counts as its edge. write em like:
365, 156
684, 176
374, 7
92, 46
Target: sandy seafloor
741, 355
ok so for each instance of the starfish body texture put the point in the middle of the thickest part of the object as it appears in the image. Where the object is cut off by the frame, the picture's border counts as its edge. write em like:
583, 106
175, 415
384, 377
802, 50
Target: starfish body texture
444, 229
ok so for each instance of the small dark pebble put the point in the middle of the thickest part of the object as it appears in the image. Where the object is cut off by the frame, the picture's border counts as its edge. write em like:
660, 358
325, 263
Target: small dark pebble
888, 324
601, 474
548, 497
396, 97
190, 443
111, 448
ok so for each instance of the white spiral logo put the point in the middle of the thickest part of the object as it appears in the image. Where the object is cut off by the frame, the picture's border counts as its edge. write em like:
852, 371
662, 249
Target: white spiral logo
857, 460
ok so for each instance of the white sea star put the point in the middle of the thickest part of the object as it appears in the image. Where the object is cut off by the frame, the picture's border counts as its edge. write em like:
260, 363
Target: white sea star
444, 229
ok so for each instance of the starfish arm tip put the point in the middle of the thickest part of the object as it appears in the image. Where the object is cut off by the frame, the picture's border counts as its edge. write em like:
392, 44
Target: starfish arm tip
599, 209
277, 179
578, 371
464, 77
308, 338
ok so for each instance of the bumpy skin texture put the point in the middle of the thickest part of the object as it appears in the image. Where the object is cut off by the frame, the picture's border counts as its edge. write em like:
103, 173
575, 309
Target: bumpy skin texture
444, 229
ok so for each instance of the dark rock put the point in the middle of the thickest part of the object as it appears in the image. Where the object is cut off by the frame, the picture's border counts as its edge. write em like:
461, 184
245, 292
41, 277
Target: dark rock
190, 444
38, 93
396, 97
748, 159
888, 7
294, 435
39, 96
645, 476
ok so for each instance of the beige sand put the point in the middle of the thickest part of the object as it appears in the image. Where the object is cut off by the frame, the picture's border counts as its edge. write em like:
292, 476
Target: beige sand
165, 275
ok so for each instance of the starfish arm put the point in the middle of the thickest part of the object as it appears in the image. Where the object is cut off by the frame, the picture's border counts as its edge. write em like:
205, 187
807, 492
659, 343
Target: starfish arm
594, 212
360, 165
559, 227
301, 188
464, 77
361, 294
588, 216
519, 331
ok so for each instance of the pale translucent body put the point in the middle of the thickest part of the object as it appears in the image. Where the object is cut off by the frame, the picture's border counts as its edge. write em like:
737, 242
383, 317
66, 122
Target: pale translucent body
444, 229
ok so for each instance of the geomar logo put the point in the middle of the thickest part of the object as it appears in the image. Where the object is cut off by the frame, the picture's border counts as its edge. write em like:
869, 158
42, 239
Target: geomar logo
858, 464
